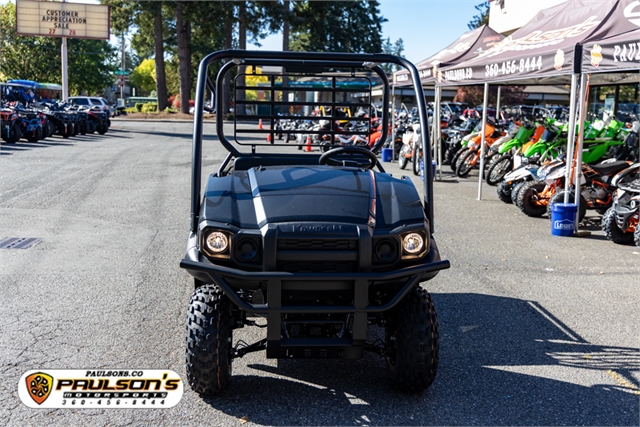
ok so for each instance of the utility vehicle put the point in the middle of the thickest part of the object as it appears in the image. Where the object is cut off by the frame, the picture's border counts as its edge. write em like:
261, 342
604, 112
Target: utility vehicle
313, 246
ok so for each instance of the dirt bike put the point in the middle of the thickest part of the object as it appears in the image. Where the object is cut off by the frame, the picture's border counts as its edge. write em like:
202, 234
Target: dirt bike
470, 159
410, 146
503, 160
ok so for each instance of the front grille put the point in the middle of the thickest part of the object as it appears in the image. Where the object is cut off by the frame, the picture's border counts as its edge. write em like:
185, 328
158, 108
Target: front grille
317, 266
318, 244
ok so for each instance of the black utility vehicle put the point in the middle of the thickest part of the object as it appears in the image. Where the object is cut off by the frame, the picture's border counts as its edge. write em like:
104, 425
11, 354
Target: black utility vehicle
313, 246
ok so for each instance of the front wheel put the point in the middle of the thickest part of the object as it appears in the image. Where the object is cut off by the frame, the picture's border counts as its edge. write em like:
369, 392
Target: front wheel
498, 169
412, 342
529, 199
402, 160
209, 340
417, 156
466, 163
612, 231
504, 192
456, 157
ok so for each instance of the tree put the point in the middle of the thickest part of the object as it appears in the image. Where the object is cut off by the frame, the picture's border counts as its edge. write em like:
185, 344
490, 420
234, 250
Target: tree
396, 49
183, 30
482, 18
39, 58
337, 26
144, 76
148, 40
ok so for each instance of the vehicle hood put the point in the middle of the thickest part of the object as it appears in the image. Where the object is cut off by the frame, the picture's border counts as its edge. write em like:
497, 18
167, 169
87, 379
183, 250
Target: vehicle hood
258, 196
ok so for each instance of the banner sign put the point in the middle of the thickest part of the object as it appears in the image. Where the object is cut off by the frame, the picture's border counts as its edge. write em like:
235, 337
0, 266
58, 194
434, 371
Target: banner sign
55, 19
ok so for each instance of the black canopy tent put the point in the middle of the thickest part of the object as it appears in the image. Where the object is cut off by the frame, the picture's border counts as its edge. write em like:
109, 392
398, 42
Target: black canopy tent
469, 45
547, 50
466, 47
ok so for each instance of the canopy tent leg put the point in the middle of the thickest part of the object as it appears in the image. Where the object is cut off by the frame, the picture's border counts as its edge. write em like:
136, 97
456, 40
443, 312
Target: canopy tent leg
498, 103
437, 134
482, 143
393, 118
584, 94
571, 135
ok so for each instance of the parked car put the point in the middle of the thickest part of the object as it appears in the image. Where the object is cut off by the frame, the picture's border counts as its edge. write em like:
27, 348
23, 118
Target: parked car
89, 101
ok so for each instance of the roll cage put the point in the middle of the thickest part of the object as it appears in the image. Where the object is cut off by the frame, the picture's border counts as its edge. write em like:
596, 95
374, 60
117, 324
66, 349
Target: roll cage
336, 67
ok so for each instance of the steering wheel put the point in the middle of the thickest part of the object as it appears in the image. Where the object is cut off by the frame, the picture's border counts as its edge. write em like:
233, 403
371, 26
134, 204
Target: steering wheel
327, 158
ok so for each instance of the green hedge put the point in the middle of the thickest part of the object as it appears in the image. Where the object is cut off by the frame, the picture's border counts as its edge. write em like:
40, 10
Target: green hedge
150, 107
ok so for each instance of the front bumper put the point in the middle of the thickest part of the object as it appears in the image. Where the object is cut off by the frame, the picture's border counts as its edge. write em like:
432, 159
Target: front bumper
357, 285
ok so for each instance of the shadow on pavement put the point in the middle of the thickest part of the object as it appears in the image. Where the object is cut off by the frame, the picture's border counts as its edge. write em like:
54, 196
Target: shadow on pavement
503, 361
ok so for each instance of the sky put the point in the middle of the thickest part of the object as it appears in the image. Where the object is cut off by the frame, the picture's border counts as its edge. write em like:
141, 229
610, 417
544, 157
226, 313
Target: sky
425, 26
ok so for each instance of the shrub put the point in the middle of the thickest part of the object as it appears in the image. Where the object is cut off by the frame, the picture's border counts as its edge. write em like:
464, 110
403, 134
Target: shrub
138, 106
131, 110
150, 108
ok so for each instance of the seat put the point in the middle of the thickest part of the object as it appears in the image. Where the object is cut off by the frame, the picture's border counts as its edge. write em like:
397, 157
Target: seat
610, 168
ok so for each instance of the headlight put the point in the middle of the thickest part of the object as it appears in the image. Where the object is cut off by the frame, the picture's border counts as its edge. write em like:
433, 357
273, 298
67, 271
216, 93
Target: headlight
412, 243
217, 242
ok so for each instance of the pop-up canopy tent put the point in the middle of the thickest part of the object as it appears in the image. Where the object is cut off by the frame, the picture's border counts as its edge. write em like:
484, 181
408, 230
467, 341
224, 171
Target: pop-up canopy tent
547, 50
614, 48
542, 51
467, 46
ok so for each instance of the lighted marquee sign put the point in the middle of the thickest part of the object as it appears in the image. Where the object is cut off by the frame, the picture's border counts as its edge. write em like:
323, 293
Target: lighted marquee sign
55, 19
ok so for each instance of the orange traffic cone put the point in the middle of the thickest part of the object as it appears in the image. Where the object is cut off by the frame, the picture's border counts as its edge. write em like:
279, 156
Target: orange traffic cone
308, 146
260, 124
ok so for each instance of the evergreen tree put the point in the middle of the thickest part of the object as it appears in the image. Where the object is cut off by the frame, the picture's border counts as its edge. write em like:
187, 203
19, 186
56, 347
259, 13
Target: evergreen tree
482, 18
337, 26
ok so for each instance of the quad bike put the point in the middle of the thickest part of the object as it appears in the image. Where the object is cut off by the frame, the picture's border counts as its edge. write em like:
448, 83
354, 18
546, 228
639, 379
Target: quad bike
10, 125
536, 198
316, 248
620, 221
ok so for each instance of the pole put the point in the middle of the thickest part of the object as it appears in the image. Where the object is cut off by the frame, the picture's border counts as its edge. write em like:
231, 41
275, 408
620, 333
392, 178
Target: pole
584, 93
485, 106
123, 69
438, 135
498, 104
393, 118
65, 69
436, 119
571, 135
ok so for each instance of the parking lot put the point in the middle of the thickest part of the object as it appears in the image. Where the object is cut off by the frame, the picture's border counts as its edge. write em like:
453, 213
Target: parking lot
535, 329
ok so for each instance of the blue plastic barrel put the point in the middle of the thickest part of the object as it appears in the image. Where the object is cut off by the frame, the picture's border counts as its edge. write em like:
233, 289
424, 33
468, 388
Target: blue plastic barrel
563, 218
387, 154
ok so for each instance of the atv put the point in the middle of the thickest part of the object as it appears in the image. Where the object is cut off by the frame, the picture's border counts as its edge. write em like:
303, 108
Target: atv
316, 247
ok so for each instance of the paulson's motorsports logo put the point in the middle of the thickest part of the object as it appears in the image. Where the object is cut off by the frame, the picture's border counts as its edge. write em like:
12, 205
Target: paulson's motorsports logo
39, 386
86, 388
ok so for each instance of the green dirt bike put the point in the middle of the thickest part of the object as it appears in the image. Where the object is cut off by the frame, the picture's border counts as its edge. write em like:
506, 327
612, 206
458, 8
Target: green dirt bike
503, 163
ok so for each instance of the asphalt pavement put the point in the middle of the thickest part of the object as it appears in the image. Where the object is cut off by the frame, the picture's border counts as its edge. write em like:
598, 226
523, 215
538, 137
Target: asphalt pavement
535, 329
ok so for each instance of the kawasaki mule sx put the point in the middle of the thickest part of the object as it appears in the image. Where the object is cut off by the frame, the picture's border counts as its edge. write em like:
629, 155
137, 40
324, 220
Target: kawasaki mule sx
313, 247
